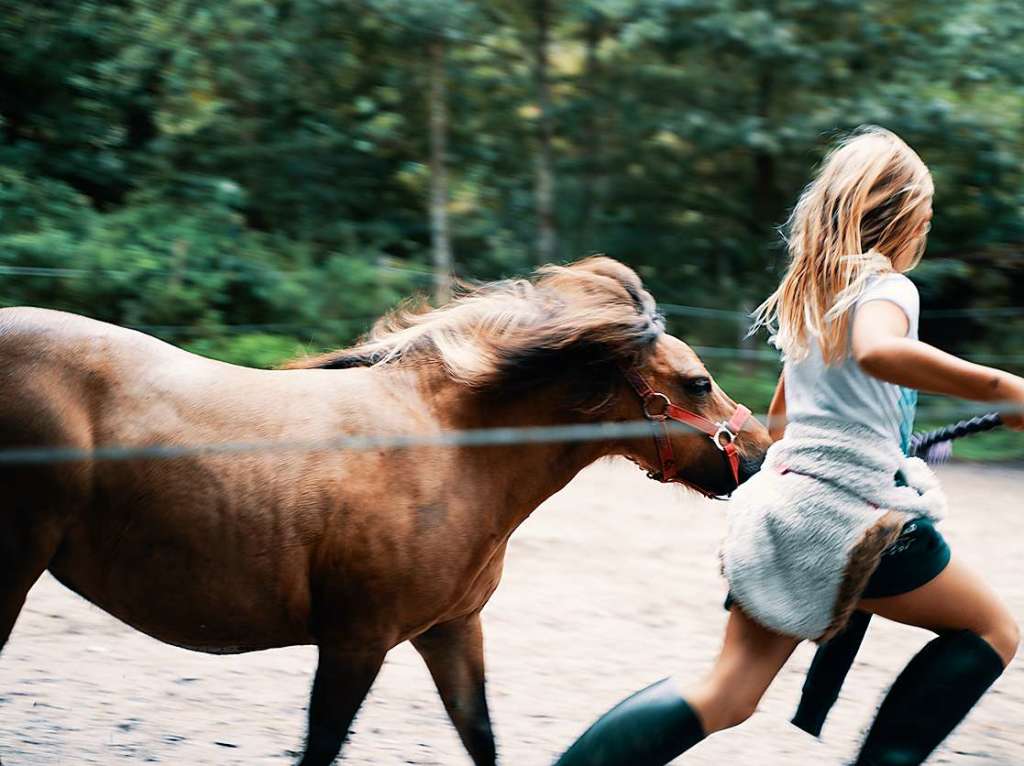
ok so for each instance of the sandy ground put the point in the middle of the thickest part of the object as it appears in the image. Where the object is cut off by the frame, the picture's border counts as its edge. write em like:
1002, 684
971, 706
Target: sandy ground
612, 584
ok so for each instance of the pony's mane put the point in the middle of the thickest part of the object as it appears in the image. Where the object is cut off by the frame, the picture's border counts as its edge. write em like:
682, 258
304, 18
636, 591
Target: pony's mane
518, 332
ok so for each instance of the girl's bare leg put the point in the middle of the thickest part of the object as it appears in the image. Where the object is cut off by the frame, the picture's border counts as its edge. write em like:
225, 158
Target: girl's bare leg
957, 599
658, 723
977, 638
750, 658
940, 685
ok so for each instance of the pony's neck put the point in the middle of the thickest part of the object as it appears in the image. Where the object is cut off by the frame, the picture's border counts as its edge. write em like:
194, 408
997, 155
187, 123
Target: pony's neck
517, 478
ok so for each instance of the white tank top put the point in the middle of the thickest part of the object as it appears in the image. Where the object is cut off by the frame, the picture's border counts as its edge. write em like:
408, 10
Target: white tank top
843, 393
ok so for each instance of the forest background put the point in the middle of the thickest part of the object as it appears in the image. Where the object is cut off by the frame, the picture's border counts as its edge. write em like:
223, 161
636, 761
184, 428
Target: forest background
255, 179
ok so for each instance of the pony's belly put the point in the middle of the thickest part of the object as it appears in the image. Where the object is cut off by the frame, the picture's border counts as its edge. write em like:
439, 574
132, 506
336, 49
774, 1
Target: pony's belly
209, 611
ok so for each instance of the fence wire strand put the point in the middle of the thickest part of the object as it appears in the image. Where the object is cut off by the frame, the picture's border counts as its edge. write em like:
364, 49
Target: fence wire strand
479, 437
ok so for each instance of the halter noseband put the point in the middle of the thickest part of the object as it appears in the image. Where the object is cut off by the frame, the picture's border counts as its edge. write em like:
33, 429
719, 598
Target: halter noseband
659, 409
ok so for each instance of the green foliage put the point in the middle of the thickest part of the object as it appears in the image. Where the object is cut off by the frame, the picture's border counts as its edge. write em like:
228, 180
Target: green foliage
38, 205
248, 175
250, 350
753, 384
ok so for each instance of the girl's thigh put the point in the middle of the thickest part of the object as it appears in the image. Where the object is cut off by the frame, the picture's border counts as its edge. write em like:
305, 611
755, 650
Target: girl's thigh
751, 655
750, 658
956, 599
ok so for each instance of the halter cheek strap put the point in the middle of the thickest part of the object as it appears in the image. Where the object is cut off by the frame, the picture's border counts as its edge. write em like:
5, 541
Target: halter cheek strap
659, 409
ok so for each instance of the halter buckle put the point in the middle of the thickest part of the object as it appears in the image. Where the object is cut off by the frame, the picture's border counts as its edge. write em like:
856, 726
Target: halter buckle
723, 430
664, 401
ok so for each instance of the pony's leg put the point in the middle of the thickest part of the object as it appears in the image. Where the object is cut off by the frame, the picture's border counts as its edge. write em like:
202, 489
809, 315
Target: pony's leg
978, 637
25, 554
828, 670
12, 599
454, 653
343, 677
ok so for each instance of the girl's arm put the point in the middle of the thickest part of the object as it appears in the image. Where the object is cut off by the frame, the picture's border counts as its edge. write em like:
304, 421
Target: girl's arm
883, 351
777, 411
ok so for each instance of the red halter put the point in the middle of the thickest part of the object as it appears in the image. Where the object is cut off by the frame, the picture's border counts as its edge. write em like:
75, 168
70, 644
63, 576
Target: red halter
659, 409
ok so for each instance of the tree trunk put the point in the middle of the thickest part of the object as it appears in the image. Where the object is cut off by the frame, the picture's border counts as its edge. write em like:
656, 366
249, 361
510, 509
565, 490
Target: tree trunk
440, 240
766, 198
547, 235
591, 144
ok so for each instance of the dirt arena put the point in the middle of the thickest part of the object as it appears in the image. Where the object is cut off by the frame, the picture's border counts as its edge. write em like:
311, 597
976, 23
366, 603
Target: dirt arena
611, 585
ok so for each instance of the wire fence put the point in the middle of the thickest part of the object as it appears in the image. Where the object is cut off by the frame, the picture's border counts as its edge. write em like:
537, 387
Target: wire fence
678, 309
478, 437
709, 352
171, 330
740, 316
724, 352
78, 273
768, 355
463, 438
482, 437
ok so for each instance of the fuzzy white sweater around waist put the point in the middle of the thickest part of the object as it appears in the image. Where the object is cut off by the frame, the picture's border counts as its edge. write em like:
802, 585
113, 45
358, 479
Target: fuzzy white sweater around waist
793, 526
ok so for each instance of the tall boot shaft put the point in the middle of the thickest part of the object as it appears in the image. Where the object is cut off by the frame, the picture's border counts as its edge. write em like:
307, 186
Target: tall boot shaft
930, 697
649, 728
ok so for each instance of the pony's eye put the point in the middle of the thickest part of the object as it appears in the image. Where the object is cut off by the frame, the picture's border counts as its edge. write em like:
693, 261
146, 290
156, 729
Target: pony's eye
698, 386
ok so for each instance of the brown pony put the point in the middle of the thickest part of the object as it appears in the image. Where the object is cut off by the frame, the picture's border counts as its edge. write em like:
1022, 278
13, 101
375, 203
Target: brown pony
352, 550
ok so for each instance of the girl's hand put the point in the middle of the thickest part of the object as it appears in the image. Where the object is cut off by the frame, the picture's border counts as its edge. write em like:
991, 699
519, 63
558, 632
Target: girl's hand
1014, 417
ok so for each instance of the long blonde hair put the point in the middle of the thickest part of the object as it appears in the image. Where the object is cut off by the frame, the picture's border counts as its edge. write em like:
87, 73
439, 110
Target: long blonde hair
862, 215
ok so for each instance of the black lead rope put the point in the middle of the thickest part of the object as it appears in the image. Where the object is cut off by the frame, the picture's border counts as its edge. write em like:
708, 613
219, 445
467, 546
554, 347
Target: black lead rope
923, 445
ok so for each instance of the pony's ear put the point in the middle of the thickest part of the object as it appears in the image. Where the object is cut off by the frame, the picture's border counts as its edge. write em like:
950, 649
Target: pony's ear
608, 267
602, 265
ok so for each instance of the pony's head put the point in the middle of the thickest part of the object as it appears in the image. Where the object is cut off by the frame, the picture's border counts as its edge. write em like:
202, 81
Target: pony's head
576, 331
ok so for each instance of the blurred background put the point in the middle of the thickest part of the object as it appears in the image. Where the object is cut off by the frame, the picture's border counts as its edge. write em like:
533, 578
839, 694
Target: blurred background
254, 179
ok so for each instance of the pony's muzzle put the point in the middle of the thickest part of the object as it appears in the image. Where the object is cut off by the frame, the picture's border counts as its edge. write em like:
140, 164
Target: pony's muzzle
749, 466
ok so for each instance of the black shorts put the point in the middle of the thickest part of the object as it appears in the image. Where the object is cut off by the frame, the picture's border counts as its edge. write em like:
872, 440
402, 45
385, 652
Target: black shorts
917, 556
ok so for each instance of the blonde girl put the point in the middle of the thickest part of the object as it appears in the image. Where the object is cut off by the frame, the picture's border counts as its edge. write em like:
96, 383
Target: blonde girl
838, 519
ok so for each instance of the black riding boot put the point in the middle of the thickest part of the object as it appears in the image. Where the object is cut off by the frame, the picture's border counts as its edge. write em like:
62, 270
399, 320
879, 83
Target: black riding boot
648, 729
828, 670
931, 696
